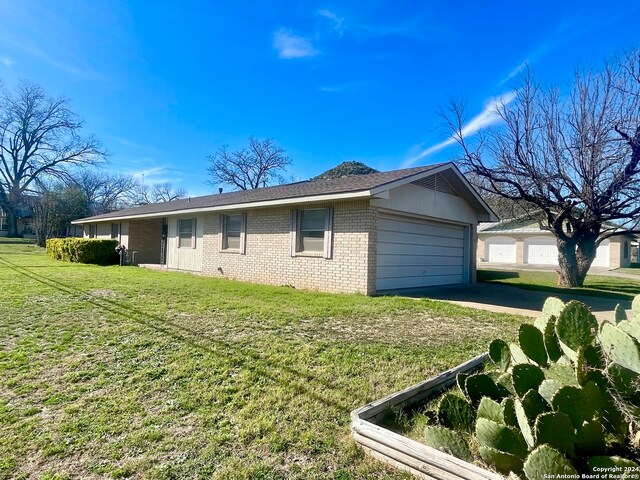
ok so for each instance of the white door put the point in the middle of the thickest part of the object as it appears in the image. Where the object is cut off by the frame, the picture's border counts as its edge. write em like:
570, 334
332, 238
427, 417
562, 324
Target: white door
602, 255
419, 253
541, 251
500, 249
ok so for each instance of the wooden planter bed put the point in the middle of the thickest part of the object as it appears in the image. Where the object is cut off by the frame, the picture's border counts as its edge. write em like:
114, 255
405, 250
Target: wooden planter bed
404, 453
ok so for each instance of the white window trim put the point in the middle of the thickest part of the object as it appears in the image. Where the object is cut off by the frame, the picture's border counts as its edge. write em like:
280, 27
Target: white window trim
194, 231
243, 235
327, 251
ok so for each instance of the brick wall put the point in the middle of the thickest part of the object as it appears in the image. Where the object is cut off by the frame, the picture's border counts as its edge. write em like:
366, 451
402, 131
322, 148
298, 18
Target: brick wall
145, 237
268, 257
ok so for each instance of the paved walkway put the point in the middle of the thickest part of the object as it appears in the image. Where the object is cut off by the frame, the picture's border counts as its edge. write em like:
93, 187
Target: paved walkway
508, 299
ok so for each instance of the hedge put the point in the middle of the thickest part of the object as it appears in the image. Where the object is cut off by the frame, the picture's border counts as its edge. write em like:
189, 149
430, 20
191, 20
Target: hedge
83, 250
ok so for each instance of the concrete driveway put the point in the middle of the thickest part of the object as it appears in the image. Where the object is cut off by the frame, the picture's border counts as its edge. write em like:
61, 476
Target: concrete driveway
508, 299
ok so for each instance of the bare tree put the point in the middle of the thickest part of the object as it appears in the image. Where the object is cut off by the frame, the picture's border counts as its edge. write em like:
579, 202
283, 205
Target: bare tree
258, 165
143, 194
105, 192
39, 138
164, 192
574, 159
54, 207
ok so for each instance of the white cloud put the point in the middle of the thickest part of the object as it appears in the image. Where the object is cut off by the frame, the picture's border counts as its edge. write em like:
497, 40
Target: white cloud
515, 71
290, 45
7, 62
337, 22
489, 116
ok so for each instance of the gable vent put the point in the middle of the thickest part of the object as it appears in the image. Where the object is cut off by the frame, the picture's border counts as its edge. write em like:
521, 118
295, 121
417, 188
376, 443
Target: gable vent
436, 182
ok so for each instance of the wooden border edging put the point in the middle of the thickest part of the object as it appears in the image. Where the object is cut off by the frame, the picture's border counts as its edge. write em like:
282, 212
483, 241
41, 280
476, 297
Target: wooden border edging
404, 453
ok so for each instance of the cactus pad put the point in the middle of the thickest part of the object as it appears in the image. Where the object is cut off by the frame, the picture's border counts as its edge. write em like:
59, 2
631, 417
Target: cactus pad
481, 385
525, 377
556, 430
499, 436
620, 347
502, 461
590, 439
447, 441
531, 342
491, 410
499, 354
576, 326
619, 314
552, 306
580, 404
455, 412
547, 462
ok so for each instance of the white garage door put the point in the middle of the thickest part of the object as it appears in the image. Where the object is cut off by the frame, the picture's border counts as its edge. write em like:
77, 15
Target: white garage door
541, 251
418, 253
500, 249
602, 255
544, 251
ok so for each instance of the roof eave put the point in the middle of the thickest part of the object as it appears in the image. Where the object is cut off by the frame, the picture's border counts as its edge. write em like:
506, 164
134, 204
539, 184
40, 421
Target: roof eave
235, 206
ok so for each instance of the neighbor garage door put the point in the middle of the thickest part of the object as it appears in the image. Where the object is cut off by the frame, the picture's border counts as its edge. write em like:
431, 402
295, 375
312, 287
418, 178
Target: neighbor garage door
544, 251
541, 251
418, 253
602, 255
500, 249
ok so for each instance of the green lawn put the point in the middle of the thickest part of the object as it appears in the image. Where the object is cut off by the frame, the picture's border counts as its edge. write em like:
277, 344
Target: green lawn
633, 270
594, 285
109, 372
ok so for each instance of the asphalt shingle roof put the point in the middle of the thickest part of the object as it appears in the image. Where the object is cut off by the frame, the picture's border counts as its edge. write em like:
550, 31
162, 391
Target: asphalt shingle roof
308, 188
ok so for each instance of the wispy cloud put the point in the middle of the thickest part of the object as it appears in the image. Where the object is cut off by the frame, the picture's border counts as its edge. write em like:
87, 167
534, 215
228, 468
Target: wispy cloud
131, 144
290, 45
565, 31
335, 20
345, 87
7, 62
489, 116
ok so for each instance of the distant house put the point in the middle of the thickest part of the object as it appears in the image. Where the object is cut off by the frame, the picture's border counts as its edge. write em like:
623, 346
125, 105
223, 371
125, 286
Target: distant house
521, 241
359, 233
25, 222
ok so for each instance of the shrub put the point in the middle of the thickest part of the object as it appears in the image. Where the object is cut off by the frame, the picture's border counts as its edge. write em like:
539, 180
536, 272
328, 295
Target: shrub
83, 250
563, 400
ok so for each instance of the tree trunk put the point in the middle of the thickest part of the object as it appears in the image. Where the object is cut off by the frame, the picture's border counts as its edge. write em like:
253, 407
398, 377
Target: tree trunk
12, 222
575, 259
569, 273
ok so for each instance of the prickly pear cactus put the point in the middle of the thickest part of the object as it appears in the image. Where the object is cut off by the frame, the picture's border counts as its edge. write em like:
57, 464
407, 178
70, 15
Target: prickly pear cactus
563, 400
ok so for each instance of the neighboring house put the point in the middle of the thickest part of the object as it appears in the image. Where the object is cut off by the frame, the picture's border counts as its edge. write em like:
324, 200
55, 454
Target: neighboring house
25, 223
360, 233
521, 241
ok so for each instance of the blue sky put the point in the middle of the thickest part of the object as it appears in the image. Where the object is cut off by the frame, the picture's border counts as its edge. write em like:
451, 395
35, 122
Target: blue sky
164, 84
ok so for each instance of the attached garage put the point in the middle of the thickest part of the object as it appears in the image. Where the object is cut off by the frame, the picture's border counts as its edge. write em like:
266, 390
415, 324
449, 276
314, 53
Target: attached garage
500, 250
418, 253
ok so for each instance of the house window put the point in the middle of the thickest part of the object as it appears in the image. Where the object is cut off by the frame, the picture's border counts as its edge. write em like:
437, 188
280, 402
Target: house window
3, 224
187, 233
626, 250
92, 231
232, 233
311, 232
115, 231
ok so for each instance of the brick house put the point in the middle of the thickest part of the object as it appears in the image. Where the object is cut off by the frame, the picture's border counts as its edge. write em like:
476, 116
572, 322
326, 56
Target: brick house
359, 233
521, 241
